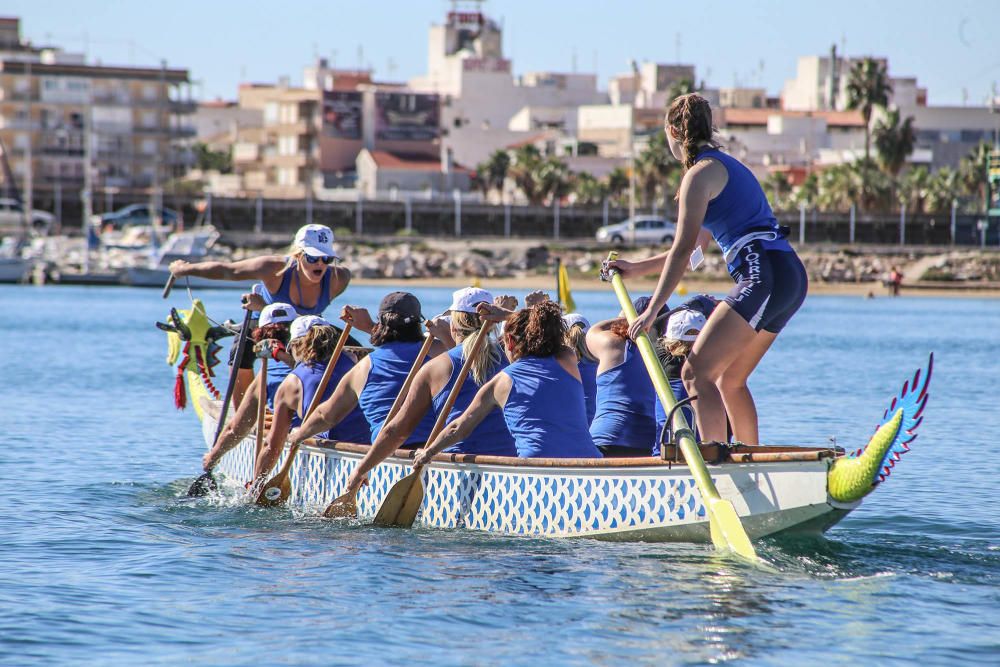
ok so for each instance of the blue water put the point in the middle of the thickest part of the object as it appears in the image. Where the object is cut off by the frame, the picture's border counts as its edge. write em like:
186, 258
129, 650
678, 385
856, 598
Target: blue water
102, 561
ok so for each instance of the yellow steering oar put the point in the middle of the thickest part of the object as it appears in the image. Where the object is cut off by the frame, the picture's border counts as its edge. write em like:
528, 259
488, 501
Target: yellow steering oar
727, 530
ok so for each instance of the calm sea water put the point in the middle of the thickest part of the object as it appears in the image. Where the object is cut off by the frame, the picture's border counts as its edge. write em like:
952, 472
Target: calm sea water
102, 560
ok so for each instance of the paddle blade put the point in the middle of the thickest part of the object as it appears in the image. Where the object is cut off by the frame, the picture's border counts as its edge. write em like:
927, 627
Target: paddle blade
275, 492
414, 499
727, 530
395, 501
343, 507
202, 486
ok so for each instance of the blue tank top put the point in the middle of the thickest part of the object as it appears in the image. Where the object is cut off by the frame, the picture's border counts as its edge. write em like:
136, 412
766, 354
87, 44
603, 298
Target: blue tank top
284, 293
277, 371
588, 373
391, 364
491, 436
545, 411
741, 207
625, 398
353, 427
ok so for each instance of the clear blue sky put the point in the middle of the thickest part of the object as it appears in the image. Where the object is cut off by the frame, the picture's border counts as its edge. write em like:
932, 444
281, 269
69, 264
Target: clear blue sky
950, 46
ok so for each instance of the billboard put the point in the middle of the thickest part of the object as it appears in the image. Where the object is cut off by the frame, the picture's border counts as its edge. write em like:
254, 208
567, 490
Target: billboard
406, 116
342, 114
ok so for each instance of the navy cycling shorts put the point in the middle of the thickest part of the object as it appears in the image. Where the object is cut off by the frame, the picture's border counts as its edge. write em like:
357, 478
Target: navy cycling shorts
771, 284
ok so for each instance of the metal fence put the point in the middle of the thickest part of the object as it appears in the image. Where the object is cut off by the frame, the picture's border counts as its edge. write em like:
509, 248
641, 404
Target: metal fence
467, 219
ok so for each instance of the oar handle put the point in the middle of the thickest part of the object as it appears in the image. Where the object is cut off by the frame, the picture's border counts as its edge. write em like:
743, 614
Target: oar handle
169, 286
328, 372
405, 389
233, 372
442, 418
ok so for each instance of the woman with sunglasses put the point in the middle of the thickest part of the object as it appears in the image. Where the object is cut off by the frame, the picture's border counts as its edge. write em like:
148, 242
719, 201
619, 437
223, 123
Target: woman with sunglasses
307, 278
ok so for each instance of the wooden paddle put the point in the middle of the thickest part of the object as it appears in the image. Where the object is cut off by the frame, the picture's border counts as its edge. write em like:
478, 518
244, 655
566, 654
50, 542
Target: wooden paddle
279, 488
346, 506
402, 502
169, 286
206, 482
726, 529
261, 406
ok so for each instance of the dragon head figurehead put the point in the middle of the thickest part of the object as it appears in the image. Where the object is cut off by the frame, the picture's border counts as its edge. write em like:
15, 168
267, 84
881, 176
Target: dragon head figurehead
192, 347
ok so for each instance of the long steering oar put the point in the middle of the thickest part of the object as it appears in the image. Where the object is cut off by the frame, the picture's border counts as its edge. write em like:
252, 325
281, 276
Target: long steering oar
727, 530
344, 506
206, 482
402, 502
279, 488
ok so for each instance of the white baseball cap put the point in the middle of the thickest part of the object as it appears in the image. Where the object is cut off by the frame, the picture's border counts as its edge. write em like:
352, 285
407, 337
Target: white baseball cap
572, 319
681, 322
303, 323
276, 313
315, 241
466, 299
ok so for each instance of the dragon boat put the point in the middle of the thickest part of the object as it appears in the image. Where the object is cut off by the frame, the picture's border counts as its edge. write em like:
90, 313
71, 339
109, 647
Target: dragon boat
774, 489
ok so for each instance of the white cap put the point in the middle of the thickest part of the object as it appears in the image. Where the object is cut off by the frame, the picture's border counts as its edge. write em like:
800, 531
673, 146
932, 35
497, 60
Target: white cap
681, 322
276, 313
315, 241
302, 325
466, 299
572, 319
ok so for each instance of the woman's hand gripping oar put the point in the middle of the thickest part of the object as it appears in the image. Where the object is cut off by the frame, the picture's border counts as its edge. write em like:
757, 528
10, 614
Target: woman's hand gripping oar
346, 505
279, 488
402, 502
727, 530
206, 482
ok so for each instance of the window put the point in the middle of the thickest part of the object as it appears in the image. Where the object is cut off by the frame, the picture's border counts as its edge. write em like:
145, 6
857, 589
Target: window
271, 113
149, 92
149, 146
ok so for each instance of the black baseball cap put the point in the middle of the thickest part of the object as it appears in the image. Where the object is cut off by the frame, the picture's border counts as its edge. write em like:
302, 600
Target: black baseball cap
401, 303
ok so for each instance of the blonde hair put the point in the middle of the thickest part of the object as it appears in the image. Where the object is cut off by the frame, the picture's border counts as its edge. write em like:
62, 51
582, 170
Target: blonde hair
292, 261
576, 338
488, 359
668, 347
316, 346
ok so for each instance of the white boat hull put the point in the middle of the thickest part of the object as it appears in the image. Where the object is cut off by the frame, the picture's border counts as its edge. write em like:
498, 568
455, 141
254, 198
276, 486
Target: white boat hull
652, 502
14, 270
145, 277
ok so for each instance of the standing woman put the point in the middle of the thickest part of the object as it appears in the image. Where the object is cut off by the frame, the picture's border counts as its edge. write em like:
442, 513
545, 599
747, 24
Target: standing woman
720, 197
305, 278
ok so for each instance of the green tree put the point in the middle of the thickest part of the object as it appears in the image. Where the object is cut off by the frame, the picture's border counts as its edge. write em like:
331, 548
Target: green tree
973, 175
554, 178
913, 188
524, 171
808, 192
656, 169
868, 87
678, 88
588, 190
618, 184
894, 141
207, 160
942, 189
495, 169
778, 189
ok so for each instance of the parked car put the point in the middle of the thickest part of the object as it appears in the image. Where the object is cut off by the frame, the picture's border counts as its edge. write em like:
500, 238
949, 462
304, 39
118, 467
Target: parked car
644, 229
12, 216
136, 215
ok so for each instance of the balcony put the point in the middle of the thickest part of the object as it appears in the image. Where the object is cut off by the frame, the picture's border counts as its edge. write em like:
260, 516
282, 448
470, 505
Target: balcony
294, 160
183, 106
183, 132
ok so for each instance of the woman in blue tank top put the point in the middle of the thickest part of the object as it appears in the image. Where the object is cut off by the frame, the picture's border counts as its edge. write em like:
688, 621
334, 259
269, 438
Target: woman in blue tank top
540, 391
434, 382
375, 382
625, 417
576, 339
271, 340
307, 278
312, 343
720, 198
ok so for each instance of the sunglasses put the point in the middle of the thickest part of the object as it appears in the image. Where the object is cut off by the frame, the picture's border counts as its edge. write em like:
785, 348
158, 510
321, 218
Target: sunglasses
314, 260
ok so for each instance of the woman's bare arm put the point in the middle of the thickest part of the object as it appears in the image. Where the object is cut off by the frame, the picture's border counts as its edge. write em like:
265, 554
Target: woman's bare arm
490, 396
254, 268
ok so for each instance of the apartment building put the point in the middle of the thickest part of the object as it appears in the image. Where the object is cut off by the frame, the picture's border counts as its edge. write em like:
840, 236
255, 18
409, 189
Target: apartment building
57, 112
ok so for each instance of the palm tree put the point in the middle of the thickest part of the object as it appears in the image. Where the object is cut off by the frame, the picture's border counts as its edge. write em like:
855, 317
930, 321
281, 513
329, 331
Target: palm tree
655, 168
973, 175
617, 184
914, 187
808, 192
942, 190
588, 190
554, 178
678, 88
777, 188
495, 169
868, 87
524, 171
894, 141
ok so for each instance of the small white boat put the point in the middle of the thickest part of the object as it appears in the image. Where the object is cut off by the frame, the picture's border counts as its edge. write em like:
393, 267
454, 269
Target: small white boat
196, 245
13, 268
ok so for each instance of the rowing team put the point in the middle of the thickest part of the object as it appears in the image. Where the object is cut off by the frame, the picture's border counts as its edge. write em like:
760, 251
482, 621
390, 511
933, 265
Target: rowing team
548, 385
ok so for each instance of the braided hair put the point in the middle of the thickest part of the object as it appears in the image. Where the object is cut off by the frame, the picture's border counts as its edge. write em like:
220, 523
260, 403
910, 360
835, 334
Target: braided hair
690, 118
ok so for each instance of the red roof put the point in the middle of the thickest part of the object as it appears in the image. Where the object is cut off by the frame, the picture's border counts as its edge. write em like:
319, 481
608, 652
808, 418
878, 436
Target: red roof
760, 116
410, 162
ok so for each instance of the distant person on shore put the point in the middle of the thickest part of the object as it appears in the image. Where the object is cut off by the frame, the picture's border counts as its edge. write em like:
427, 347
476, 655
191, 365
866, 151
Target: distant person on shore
895, 280
720, 198
306, 278
540, 392
624, 412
